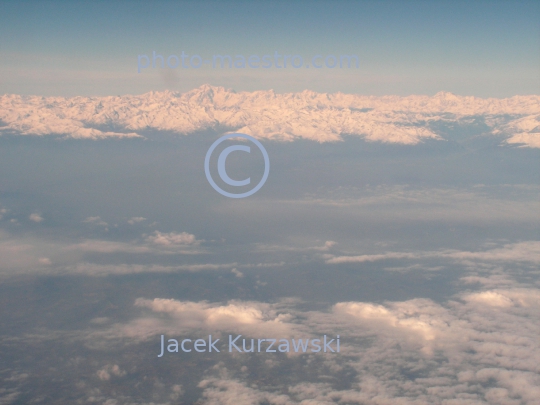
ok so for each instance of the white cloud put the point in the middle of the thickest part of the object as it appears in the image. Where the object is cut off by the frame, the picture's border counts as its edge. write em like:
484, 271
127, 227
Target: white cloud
490, 329
27, 255
528, 252
237, 273
96, 221
506, 298
177, 392
245, 317
479, 348
399, 320
222, 391
370, 258
36, 218
110, 370
93, 269
182, 318
173, 239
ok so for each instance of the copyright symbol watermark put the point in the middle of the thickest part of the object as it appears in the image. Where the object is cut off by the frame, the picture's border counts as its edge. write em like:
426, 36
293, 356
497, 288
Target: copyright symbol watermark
222, 172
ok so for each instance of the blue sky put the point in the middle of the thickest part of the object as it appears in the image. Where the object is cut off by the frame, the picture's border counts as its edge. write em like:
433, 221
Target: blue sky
419, 47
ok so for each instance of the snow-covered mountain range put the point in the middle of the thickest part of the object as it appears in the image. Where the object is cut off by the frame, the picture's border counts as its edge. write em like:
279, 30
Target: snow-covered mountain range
319, 117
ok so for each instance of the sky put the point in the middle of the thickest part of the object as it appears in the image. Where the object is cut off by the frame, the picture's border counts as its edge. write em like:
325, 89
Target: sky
481, 48
399, 216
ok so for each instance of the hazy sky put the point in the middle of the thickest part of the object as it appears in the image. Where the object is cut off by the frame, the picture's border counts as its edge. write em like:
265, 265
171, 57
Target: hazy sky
481, 48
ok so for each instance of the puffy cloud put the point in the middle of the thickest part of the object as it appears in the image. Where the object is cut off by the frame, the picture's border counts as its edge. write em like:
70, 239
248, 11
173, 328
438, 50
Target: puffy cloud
173, 239
237, 273
177, 392
480, 348
135, 220
247, 317
152, 244
488, 330
36, 218
29, 254
233, 392
182, 318
506, 298
110, 370
95, 221
401, 318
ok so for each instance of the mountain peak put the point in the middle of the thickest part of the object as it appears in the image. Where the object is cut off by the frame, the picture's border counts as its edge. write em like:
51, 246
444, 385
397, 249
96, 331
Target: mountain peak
446, 95
321, 117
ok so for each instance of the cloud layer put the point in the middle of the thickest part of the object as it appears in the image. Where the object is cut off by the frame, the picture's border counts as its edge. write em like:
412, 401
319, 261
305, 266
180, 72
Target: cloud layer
480, 347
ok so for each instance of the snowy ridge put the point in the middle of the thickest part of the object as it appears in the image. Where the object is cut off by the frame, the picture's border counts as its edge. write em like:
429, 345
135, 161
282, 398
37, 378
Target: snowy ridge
319, 117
